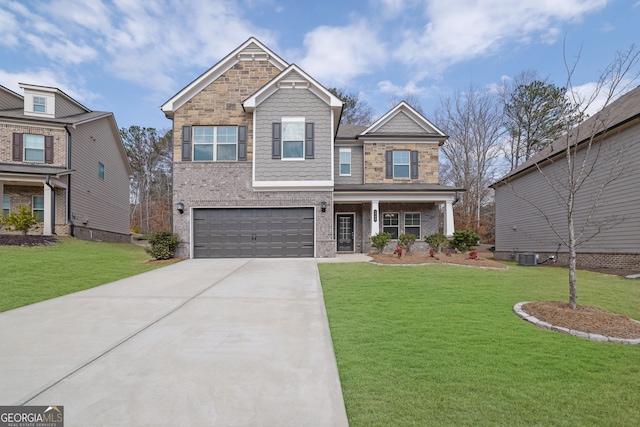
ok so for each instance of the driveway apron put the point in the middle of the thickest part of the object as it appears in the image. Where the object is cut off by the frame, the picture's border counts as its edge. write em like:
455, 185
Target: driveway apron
199, 343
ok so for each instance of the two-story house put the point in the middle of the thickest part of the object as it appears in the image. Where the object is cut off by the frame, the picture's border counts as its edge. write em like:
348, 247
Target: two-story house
263, 167
64, 161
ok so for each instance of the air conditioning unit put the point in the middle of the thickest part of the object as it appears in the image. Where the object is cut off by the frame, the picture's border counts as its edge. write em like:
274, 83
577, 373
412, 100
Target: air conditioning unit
528, 259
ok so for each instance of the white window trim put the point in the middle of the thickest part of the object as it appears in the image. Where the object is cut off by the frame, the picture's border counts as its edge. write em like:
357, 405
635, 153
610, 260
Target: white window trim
401, 164
38, 104
387, 226
344, 150
25, 148
413, 226
282, 141
33, 205
214, 143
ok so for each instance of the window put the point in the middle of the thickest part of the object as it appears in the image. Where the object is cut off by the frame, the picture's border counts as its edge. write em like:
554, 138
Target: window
401, 164
38, 207
412, 224
390, 224
6, 204
215, 143
39, 104
101, 171
293, 139
345, 162
34, 148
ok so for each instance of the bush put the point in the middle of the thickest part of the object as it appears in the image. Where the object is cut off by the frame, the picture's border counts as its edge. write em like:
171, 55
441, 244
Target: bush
22, 219
380, 241
406, 240
162, 245
465, 240
437, 241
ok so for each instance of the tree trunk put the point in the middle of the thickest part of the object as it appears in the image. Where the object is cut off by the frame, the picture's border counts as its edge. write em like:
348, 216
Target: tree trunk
573, 292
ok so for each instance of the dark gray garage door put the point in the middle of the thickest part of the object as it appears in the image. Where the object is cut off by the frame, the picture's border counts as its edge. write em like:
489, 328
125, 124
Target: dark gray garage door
253, 233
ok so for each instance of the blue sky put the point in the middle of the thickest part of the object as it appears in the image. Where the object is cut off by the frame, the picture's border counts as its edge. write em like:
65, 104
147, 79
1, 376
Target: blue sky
130, 56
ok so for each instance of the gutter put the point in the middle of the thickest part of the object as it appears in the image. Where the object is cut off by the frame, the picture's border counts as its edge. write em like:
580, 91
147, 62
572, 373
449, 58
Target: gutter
69, 219
53, 205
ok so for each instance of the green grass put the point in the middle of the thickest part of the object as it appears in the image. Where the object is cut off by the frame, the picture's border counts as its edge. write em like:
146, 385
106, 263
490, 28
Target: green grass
440, 346
32, 274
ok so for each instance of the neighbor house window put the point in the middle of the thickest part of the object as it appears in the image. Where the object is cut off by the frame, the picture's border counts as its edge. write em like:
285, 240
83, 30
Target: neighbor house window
38, 207
6, 204
34, 148
412, 224
345, 162
39, 104
101, 171
390, 224
401, 164
215, 143
293, 139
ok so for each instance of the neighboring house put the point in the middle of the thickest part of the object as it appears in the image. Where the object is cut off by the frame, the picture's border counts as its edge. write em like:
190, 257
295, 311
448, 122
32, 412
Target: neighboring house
616, 221
263, 168
66, 162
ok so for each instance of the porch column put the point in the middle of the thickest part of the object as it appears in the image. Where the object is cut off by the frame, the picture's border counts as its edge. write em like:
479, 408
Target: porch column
48, 213
1, 197
375, 217
448, 219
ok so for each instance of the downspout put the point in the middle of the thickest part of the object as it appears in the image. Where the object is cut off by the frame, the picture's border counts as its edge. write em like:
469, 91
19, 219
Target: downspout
69, 217
457, 198
53, 205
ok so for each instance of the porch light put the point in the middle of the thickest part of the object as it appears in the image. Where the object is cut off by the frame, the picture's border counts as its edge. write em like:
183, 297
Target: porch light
180, 207
323, 206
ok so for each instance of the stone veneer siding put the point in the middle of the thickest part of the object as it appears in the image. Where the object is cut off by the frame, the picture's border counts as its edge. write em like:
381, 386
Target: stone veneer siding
375, 162
59, 143
219, 104
627, 261
220, 185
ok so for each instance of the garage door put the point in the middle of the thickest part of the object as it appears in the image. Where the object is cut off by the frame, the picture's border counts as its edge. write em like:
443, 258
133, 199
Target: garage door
253, 233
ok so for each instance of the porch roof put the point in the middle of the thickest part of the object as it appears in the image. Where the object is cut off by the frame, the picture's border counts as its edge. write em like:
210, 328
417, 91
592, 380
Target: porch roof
432, 193
394, 187
33, 170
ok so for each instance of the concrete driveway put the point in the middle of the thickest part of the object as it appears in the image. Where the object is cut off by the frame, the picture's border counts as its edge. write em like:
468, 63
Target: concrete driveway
198, 343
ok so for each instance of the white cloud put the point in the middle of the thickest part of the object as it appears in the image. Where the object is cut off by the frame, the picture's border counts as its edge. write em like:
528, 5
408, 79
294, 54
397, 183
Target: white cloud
336, 55
8, 28
594, 96
45, 78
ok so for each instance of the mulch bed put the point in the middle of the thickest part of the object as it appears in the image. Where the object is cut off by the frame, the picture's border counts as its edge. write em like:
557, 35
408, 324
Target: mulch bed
20, 240
585, 319
441, 258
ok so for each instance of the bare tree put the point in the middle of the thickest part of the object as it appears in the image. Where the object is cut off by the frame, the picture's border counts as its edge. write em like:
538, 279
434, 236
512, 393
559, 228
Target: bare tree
581, 165
356, 110
473, 121
409, 97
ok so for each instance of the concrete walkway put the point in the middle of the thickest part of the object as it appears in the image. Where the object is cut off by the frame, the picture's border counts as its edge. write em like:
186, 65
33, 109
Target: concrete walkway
198, 343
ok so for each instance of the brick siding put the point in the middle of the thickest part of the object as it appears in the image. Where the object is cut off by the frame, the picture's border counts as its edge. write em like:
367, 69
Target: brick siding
628, 261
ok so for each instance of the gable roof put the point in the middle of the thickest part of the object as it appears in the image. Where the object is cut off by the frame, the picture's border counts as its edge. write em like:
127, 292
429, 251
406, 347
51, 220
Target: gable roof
430, 130
55, 91
618, 113
252, 49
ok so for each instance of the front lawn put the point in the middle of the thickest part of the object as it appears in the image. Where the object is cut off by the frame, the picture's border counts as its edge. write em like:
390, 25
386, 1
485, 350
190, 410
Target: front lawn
440, 345
32, 274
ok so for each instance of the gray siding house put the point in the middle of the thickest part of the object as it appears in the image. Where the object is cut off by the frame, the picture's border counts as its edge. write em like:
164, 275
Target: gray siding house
66, 162
610, 233
263, 167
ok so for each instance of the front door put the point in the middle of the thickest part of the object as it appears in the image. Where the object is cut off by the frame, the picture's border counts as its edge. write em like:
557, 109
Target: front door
345, 233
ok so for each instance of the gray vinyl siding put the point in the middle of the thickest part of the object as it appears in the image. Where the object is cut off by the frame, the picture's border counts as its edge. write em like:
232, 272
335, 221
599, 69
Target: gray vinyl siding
293, 103
401, 123
357, 166
9, 102
66, 108
521, 228
104, 203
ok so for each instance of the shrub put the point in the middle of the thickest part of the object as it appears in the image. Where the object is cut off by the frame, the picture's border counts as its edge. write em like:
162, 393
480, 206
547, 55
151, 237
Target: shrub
473, 255
135, 229
22, 219
437, 241
465, 240
162, 245
406, 240
380, 241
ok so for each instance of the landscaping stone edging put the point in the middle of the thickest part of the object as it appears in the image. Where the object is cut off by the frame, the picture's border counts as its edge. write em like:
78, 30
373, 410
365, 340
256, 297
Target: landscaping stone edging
517, 309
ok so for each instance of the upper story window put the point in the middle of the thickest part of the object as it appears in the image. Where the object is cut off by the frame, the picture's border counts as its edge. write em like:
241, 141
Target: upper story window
390, 223
293, 139
101, 171
345, 162
215, 143
6, 204
401, 164
34, 148
412, 224
39, 104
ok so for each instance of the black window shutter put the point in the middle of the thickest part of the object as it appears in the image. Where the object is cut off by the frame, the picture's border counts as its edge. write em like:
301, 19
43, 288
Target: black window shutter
186, 143
48, 149
308, 147
242, 143
414, 165
389, 168
17, 147
275, 145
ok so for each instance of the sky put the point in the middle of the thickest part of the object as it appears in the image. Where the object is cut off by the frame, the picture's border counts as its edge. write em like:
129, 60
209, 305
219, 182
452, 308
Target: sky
131, 56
